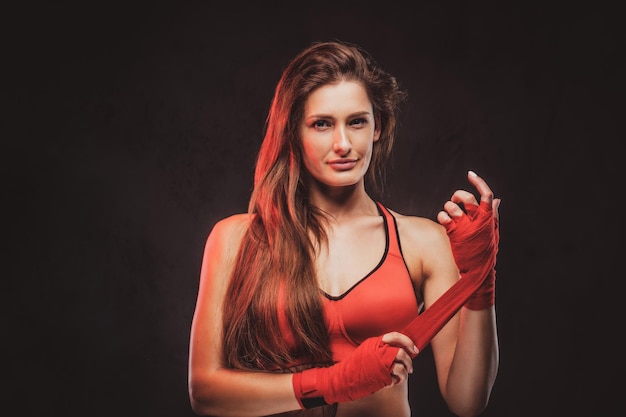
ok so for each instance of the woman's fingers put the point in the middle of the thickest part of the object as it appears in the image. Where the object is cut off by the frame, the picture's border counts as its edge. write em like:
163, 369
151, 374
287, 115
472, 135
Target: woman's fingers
443, 218
464, 197
453, 209
483, 189
402, 367
400, 340
403, 364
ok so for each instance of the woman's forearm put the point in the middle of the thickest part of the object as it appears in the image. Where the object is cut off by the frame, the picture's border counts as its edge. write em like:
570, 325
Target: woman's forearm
475, 363
228, 392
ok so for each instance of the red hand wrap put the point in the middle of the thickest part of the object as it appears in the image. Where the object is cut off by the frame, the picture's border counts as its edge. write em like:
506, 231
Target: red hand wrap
364, 372
474, 246
485, 296
474, 241
474, 238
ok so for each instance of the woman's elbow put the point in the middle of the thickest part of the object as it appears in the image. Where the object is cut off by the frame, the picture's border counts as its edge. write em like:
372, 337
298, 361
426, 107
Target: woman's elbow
473, 408
468, 412
203, 400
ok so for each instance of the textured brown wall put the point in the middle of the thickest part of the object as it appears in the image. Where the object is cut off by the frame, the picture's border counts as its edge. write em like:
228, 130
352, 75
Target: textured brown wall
131, 130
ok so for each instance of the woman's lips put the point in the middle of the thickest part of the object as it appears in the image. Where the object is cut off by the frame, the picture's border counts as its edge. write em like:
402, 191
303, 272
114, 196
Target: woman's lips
342, 164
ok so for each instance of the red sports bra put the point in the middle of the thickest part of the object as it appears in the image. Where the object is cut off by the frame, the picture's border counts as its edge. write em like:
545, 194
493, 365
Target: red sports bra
382, 301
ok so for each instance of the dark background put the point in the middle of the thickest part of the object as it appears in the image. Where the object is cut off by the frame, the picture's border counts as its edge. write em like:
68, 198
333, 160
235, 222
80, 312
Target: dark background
131, 129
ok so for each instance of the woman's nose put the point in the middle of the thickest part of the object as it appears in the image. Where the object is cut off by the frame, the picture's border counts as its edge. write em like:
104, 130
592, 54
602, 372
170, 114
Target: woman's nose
341, 144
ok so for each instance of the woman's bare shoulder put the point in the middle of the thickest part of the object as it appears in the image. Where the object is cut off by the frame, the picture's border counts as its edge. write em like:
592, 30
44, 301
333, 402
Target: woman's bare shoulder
418, 229
235, 223
425, 247
227, 232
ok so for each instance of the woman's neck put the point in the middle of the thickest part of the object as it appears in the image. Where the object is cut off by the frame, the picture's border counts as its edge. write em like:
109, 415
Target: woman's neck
342, 202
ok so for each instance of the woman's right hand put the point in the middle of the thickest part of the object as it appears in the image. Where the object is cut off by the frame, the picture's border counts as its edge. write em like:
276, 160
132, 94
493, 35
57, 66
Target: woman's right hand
376, 363
403, 363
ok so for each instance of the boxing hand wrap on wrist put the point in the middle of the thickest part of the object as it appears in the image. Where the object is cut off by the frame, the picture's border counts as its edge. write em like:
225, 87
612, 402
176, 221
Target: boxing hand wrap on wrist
474, 241
485, 295
365, 371
474, 237
308, 385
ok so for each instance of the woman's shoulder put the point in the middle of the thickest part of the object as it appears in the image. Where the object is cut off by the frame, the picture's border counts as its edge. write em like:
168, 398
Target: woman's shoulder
230, 230
232, 223
417, 227
425, 245
420, 236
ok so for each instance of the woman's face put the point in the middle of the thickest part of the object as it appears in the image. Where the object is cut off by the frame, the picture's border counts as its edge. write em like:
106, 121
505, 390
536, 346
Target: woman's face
338, 133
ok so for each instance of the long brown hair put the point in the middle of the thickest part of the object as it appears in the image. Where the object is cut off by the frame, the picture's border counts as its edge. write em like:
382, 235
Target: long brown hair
277, 251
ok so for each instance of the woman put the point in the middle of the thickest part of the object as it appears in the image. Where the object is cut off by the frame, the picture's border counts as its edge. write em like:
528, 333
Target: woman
310, 302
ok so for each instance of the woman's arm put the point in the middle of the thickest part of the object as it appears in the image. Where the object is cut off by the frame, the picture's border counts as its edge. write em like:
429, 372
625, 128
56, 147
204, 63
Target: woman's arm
474, 366
467, 383
214, 389
466, 348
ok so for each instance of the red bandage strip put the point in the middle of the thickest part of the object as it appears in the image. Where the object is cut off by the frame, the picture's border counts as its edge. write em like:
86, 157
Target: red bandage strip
366, 370
474, 241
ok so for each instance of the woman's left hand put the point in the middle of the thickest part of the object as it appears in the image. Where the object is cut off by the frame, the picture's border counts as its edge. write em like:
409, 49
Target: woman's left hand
472, 226
452, 209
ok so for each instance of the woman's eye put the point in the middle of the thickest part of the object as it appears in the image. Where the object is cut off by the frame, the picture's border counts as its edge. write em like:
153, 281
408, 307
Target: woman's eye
320, 124
358, 122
